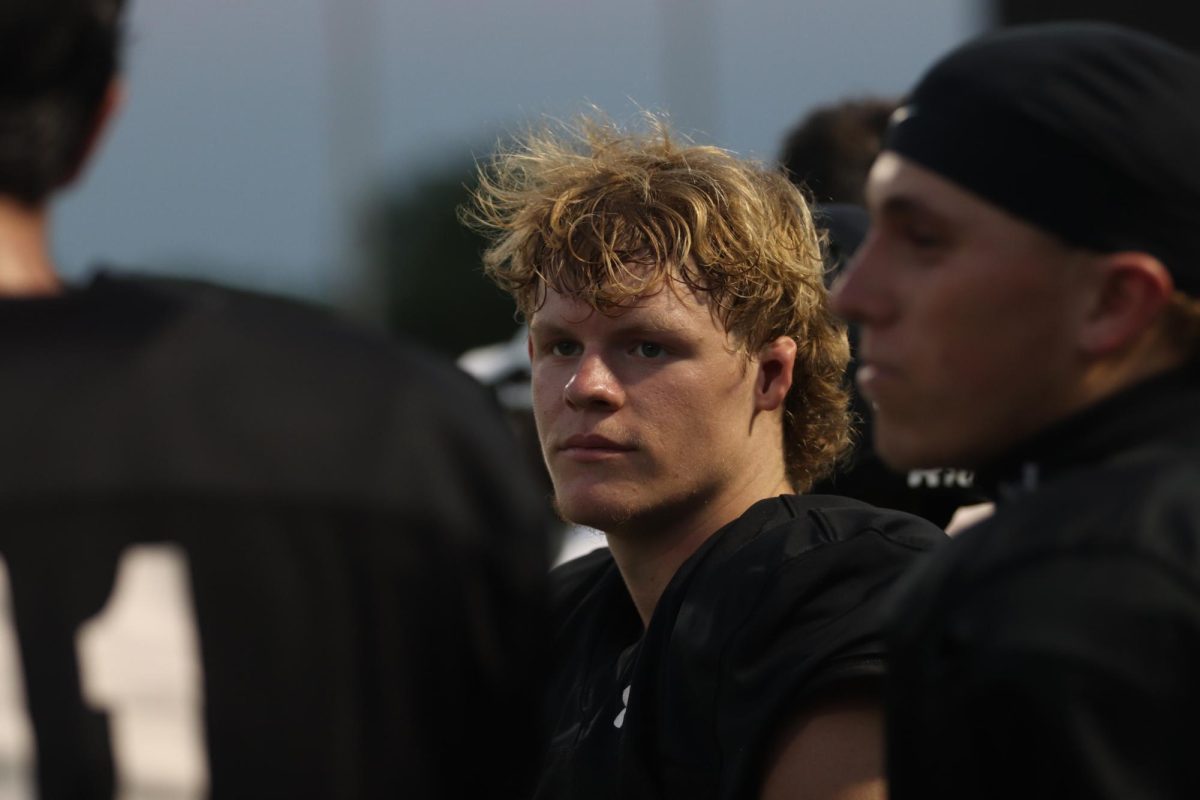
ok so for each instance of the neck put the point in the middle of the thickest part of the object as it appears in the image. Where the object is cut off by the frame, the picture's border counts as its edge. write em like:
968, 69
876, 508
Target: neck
25, 265
1150, 356
650, 554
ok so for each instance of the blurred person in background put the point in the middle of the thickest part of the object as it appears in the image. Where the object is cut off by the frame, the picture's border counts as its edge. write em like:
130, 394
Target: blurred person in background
831, 149
1027, 305
687, 387
245, 549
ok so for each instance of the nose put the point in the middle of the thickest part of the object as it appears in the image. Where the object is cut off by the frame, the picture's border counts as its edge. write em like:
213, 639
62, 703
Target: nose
860, 293
592, 384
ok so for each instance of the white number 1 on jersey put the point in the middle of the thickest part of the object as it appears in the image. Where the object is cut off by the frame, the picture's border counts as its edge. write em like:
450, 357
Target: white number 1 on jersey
139, 662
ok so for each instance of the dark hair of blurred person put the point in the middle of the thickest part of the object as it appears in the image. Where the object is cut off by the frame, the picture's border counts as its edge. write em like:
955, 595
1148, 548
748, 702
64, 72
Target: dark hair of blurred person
246, 549
830, 150
58, 59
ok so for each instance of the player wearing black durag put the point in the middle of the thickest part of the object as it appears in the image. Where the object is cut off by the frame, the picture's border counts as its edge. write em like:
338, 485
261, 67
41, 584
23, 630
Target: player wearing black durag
1027, 303
246, 551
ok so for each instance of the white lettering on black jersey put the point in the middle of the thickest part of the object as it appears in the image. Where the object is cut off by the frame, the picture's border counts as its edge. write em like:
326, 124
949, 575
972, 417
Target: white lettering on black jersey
16, 731
139, 663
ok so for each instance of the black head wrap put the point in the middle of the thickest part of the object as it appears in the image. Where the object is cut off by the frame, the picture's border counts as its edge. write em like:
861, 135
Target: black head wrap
1089, 131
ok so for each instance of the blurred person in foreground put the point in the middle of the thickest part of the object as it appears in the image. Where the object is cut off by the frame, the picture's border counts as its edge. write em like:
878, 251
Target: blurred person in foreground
1027, 303
245, 549
828, 154
944, 496
687, 384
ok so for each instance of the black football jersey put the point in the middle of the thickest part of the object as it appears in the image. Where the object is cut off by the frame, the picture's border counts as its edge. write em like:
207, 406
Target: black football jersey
1053, 650
775, 609
247, 550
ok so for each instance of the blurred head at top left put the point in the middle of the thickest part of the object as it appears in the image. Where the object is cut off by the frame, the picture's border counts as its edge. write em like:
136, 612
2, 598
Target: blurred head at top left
58, 62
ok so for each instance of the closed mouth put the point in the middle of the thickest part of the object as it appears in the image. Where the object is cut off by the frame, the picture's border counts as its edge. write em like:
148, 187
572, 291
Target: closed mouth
593, 444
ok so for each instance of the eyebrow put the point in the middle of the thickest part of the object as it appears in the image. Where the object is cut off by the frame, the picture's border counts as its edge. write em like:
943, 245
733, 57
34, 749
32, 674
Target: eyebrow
907, 205
652, 324
546, 329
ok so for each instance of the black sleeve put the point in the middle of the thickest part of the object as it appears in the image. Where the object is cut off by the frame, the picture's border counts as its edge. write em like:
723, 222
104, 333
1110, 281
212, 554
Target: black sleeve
484, 588
790, 630
1074, 678
817, 627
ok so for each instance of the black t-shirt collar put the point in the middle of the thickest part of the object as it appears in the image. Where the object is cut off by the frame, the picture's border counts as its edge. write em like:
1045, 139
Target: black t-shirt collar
1158, 409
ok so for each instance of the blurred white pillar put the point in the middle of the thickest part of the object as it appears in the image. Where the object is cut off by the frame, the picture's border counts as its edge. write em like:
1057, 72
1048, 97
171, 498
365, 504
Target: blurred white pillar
690, 62
354, 90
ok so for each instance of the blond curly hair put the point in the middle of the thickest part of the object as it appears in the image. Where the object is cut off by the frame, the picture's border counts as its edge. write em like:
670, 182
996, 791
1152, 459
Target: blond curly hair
606, 214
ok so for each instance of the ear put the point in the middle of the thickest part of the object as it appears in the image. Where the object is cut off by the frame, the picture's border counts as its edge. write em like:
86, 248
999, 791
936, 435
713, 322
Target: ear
776, 360
1131, 291
114, 97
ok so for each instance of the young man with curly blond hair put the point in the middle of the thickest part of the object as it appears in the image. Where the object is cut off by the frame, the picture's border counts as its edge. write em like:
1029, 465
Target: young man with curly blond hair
687, 386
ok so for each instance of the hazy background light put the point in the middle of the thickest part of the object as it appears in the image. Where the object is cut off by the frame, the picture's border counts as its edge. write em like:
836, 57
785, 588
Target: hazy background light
253, 130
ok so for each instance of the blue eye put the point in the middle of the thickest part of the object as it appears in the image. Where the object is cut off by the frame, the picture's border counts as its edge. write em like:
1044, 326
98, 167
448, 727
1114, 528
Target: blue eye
565, 348
649, 350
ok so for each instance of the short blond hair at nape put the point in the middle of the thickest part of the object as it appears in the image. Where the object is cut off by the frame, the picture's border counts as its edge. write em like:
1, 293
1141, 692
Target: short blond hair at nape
606, 214
1182, 323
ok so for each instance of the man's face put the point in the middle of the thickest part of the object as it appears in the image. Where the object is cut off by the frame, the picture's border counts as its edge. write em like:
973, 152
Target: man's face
967, 318
642, 415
